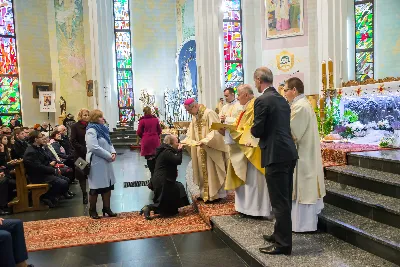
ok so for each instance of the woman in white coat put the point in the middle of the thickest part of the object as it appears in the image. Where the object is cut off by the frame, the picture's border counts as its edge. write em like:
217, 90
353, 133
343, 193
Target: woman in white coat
100, 154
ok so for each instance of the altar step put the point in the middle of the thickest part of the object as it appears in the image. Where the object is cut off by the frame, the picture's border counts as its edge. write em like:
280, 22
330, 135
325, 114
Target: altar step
363, 202
244, 236
123, 137
369, 235
373, 206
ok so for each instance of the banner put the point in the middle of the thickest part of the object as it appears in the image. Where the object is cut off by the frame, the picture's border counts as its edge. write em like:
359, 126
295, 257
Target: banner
47, 101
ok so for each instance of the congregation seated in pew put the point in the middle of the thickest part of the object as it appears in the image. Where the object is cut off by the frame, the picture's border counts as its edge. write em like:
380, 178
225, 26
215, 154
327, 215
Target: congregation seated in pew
41, 169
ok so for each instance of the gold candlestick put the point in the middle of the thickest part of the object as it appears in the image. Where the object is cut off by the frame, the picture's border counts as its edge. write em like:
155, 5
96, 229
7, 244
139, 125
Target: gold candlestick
330, 70
323, 76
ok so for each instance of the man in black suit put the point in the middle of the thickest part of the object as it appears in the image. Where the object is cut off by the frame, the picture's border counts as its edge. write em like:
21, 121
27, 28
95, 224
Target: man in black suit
278, 155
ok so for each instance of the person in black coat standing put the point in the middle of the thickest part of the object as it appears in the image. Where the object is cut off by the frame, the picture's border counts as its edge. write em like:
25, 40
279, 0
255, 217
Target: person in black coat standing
167, 191
78, 132
278, 156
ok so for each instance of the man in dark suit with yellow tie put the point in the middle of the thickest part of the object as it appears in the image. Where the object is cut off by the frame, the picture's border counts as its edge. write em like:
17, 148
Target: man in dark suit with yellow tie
278, 156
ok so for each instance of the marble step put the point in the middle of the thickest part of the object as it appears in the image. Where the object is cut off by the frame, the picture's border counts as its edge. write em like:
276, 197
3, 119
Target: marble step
382, 160
383, 183
244, 236
374, 206
369, 235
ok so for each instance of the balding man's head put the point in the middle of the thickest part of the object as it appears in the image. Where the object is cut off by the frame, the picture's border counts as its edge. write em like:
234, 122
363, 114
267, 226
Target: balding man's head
171, 140
245, 94
263, 78
62, 129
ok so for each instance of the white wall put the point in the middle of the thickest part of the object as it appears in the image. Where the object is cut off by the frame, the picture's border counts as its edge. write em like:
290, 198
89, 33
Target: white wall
33, 55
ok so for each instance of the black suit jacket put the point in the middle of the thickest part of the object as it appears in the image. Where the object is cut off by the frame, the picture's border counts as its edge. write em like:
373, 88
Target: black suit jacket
272, 126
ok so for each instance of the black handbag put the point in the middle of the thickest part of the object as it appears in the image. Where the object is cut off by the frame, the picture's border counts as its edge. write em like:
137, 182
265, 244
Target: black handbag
83, 166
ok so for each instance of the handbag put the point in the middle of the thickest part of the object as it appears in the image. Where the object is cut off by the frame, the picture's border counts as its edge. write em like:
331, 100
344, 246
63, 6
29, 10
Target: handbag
83, 166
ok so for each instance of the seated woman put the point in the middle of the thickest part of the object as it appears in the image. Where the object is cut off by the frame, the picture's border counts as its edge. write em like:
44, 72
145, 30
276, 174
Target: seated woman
41, 169
55, 139
167, 191
12, 244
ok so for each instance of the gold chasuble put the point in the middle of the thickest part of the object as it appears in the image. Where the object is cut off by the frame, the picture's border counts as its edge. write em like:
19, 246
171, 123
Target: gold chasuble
209, 161
239, 154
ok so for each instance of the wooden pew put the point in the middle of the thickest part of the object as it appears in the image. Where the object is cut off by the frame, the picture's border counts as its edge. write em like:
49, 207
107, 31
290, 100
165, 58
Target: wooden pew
21, 202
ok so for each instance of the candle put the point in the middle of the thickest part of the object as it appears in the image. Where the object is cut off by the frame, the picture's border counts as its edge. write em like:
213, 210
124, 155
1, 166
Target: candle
330, 69
323, 76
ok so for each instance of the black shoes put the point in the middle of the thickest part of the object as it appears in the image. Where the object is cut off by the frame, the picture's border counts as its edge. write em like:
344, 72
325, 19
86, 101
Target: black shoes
85, 198
93, 214
276, 250
4, 213
71, 193
48, 202
67, 196
109, 212
146, 211
269, 238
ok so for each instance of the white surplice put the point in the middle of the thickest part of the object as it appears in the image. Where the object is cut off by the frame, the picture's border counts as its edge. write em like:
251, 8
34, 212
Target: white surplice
308, 177
252, 198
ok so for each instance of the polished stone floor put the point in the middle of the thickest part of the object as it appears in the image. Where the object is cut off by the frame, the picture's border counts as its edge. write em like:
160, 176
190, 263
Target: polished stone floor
197, 249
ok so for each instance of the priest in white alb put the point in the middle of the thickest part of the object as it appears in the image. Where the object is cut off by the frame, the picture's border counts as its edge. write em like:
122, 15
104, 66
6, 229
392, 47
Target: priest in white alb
231, 109
245, 174
208, 151
308, 177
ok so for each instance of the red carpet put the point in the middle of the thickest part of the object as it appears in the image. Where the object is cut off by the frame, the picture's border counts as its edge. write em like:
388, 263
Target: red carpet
81, 231
225, 206
335, 154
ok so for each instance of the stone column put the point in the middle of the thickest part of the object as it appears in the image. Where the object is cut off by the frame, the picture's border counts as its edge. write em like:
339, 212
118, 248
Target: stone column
209, 50
103, 59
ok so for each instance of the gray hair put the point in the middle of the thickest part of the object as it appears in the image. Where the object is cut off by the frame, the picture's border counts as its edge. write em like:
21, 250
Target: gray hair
246, 88
264, 74
168, 139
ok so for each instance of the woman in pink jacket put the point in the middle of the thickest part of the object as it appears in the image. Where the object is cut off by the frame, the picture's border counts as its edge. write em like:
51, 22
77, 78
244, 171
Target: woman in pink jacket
149, 131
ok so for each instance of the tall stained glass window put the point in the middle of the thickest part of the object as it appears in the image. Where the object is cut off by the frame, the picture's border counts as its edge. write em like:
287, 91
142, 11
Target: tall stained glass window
10, 103
123, 55
233, 43
364, 18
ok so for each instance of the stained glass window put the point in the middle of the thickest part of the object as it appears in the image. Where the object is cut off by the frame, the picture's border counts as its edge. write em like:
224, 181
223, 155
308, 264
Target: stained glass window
233, 43
10, 102
364, 18
123, 55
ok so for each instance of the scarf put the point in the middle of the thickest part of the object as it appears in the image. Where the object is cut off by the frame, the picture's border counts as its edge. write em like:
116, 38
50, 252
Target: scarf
84, 122
101, 130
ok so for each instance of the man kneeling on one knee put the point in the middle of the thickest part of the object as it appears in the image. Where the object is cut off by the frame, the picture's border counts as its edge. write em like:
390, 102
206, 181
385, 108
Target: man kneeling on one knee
169, 195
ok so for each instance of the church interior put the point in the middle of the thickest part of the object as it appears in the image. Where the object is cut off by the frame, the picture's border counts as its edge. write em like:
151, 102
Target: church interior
184, 64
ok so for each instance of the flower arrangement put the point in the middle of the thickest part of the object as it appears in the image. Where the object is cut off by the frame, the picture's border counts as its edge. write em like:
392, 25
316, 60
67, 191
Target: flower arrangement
386, 141
358, 129
383, 125
331, 119
349, 116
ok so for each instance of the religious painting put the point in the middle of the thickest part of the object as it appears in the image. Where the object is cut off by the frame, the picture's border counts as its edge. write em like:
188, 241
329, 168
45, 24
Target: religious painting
40, 87
285, 61
47, 101
89, 88
284, 18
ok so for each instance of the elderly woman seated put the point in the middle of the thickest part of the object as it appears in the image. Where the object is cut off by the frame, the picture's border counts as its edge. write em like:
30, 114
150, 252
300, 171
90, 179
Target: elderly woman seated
169, 195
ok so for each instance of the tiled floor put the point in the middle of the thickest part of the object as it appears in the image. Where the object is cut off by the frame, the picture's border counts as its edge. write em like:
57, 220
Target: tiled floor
197, 249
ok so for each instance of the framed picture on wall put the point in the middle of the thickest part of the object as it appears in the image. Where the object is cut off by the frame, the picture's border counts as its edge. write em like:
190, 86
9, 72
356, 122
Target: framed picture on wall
89, 88
40, 87
284, 18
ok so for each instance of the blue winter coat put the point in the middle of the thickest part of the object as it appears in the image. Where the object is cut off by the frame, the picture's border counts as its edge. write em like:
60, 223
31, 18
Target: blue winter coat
101, 172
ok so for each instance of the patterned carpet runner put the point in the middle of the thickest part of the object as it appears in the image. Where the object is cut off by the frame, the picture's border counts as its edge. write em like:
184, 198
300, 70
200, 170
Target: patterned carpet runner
82, 231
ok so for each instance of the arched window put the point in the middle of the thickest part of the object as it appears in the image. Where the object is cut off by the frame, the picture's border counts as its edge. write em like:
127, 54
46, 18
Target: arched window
10, 101
233, 43
123, 55
364, 22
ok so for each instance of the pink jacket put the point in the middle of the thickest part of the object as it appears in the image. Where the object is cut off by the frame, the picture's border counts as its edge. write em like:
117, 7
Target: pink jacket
149, 130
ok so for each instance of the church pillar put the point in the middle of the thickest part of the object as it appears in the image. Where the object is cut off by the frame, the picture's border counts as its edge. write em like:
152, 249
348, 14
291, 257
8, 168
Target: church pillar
103, 62
209, 47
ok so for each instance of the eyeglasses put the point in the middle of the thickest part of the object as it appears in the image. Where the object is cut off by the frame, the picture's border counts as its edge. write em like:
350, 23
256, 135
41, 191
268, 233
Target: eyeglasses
288, 89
